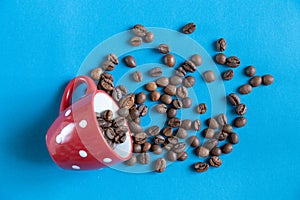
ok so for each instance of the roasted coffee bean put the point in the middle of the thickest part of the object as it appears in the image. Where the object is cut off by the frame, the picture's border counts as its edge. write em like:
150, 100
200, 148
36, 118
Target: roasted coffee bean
123, 112
250, 70
177, 103
164, 48
222, 119
135, 127
107, 115
194, 141
174, 122
181, 133
216, 151
201, 108
186, 102
212, 123
182, 92
180, 71
209, 76
267, 79
168, 146
210, 144
221, 44
171, 156
146, 147
96, 73
136, 41
154, 96
153, 130
140, 98
170, 90
169, 60
208, 133
162, 81
189, 66
228, 74
151, 86
215, 161
172, 112
221, 135
160, 165
233, 138
239, 122
137, 148
166, 99
220, 58
121, 130
137, 76
186, 124
113, 58
182, 156
149, 37
189, 28
130, 61
140, 138
155, 72
175, 80
201, 167
241, 109
127, 101
134, 113
189, 81
159, 139
144, 158
227, 128
173, 139
110, 133
227, 148
106, 82
196, 125
131, 161
117, 94
161, 108
123, 89
233, 61
245, 89
202, 151
167, 131
255, 81
234, 99
156, 149
179, 147
108, 65
103, 124
196, 59
119, 121
143, 110
139, 30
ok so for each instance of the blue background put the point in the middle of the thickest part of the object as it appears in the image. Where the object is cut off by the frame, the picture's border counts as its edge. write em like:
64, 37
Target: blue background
43, 43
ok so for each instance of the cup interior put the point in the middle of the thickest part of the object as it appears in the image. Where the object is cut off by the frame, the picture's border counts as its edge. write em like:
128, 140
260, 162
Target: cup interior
102, 102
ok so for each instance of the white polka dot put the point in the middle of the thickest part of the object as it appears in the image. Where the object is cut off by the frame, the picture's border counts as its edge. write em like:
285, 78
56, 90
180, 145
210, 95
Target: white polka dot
68, 112
83, 153
107, 160
75, 167
83, 123
58, 139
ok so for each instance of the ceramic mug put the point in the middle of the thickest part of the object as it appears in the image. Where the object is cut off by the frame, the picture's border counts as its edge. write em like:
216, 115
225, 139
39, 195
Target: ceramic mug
74, 140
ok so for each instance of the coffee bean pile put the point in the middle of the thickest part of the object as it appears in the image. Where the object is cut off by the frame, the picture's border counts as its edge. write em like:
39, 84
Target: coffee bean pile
171, 95
113, 130
141, 33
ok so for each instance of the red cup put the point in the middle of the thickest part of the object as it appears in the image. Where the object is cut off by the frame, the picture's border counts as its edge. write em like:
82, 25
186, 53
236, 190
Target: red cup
74, 140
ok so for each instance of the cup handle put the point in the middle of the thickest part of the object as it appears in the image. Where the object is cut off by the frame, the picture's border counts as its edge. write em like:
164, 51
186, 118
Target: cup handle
73, 84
